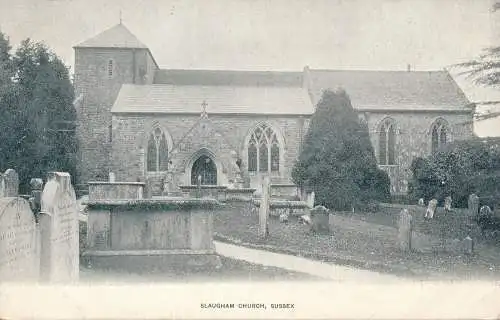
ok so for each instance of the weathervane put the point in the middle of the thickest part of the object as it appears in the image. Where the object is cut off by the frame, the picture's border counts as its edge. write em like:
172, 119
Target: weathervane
204, 109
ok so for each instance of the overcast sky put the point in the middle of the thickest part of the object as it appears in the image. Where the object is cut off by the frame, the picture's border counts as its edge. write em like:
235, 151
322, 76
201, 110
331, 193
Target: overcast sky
270, 34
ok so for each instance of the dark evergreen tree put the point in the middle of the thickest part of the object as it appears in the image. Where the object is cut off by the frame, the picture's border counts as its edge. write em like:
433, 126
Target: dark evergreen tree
337, 159
38, 117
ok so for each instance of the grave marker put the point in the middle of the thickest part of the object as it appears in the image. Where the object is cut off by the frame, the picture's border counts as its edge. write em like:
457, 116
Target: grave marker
431, 209
19, 250
405, 229
60, 232
9, 187
473, 205
264, 209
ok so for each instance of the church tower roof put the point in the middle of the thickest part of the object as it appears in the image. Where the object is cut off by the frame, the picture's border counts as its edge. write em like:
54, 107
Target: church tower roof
116, 37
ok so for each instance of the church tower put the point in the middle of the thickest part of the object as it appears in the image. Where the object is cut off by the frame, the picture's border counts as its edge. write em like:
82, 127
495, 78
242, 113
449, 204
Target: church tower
102, 64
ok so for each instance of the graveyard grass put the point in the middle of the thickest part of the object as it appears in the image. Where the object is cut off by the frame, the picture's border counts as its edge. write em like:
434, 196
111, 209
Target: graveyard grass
366, 240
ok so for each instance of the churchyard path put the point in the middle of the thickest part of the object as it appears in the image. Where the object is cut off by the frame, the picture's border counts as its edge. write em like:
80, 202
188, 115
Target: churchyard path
303, 265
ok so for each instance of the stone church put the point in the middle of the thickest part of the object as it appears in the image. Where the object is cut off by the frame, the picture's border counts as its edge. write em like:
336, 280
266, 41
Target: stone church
141, 122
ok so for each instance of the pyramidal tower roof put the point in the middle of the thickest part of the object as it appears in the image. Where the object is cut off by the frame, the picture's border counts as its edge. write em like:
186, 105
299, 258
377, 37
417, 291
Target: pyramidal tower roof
116, 37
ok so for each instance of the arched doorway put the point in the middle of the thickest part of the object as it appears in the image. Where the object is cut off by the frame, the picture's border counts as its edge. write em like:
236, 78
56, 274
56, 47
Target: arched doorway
206, 168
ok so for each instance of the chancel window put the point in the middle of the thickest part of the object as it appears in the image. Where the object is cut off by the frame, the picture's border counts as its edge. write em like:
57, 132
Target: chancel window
387, 143
439, 135
263, 150
157, 152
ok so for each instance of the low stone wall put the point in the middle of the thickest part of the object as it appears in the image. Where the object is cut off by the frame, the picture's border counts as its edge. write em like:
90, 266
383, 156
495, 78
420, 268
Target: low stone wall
205, 191
101, 190
243, 194
287, 191
160, 229
288, 207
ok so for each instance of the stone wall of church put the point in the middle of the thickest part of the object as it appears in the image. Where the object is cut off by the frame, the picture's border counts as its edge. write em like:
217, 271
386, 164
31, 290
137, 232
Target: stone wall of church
99, 92
130, 135
413, 139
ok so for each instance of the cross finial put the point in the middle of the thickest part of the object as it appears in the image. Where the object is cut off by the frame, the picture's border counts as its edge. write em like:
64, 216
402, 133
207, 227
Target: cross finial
204, 109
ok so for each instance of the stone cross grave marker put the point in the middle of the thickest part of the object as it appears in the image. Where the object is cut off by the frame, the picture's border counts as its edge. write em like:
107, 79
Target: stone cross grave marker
19, 250
264, 209
60, 233
405, 228
431, 209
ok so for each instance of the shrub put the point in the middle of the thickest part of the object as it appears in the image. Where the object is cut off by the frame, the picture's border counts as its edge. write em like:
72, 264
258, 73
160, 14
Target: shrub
337, 160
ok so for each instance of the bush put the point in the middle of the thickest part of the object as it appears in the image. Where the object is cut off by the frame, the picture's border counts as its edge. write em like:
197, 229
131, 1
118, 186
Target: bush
458, 170
337, 160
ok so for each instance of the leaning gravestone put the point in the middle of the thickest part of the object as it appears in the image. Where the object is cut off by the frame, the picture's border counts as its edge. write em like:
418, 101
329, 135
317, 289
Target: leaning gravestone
405, 229
59, 228
19, 252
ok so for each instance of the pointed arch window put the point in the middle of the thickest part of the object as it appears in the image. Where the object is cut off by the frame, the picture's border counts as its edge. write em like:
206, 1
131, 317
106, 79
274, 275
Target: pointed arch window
263, 150
157, 160
439, 135
387, 143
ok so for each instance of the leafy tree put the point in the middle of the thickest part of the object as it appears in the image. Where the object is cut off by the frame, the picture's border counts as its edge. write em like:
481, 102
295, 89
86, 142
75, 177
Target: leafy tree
337, 160
37, 108
458, 170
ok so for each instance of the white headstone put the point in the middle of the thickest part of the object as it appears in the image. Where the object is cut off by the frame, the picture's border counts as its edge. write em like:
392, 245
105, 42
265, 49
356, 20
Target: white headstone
19, 251
310, 200
431, 209
60, 232
447, 203
111, 177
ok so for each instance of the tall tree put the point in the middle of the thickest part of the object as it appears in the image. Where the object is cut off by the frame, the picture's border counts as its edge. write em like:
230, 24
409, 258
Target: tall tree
38, 113
337, 159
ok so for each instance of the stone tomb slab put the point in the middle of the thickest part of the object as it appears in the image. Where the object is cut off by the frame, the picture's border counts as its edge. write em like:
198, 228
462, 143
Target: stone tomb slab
19, 253
59, 223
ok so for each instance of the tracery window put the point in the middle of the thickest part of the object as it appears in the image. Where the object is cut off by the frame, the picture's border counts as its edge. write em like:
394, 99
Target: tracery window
439, 134
387, 143
157, 156
263, 150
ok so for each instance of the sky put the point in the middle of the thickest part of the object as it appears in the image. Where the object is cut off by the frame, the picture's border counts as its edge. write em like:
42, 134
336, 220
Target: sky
272, 34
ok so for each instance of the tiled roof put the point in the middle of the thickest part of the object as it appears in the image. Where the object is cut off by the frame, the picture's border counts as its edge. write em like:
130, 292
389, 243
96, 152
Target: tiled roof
116, 37
220, 100
391, 89
229, 78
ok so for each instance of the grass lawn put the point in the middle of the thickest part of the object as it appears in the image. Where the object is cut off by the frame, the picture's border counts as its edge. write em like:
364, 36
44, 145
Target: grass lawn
363, 240
231, 270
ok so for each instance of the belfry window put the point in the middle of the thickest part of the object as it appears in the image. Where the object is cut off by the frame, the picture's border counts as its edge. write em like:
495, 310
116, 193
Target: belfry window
110, 69
387, 143
439, 135
157, 156
263, 150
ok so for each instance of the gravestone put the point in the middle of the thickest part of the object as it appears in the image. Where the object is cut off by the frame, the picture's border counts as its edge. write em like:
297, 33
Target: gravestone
264, 209
447, 204
19, 249
319, 219
473, 205
9, 185
421, 202
59, 228
431, 209
405, 229
310, 200
112, 177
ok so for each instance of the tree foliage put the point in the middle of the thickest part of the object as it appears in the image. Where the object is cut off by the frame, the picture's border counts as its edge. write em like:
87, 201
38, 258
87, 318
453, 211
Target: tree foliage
37, 116
457, 170
337, 159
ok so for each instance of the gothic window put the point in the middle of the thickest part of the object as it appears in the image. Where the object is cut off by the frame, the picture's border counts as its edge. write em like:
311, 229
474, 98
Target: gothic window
110, 69
263, 150
157, 152
439, 133
387, 143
